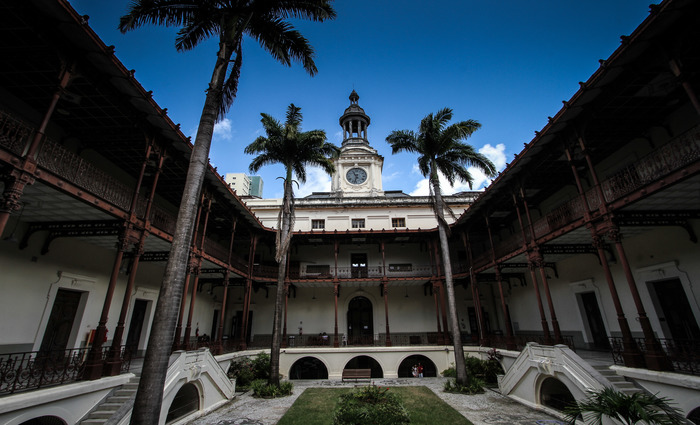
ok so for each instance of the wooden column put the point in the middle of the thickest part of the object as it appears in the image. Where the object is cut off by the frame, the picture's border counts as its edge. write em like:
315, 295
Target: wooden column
18, 179
113, 366
385, 290
224, 302
222, 317
443, 305
94, 364
199, 253
336, 292
435, 289
510, 340
630, 351
475, 292
654, 355
248, 293
532, 256
15, 183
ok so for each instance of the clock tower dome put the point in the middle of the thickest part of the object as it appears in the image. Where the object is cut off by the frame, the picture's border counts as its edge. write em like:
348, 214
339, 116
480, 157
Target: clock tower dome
358, 169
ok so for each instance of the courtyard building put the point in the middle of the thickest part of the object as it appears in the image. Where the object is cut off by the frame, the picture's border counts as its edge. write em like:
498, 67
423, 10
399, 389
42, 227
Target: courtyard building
579, 263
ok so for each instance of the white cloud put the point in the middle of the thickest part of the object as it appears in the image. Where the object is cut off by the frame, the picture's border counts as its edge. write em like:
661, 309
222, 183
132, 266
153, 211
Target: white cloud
316, 181
223, 130
495, 153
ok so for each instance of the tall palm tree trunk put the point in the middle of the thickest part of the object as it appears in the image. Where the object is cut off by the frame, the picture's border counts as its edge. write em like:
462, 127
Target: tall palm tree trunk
285, 230
447, 265
149, 398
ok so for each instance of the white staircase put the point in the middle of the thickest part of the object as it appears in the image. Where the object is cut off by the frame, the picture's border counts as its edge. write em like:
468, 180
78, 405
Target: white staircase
115, 406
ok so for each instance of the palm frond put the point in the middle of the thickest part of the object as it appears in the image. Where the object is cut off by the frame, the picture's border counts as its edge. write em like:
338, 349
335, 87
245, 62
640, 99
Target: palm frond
283, 42
157, 12
230, 89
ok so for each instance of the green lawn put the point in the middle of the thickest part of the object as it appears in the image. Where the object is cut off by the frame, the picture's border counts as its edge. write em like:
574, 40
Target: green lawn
315, 407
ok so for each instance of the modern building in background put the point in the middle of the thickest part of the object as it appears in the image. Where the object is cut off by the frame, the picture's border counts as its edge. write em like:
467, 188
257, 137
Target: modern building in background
245, 185
580, 263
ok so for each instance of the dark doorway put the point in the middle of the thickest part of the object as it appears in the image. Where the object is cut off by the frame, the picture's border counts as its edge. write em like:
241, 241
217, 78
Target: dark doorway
676, 316
137, 319
215, 324
473, 324
308, 368
358, 264
360, 322
238, 321
61, 320
595, 320
366, 362
406, 366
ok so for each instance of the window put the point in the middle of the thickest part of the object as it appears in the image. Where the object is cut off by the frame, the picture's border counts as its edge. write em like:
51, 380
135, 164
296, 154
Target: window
358, 223
398, 222
318, 224
400, 267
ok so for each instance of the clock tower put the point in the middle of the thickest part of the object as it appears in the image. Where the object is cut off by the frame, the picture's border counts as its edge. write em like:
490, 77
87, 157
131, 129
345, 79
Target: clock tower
358, 169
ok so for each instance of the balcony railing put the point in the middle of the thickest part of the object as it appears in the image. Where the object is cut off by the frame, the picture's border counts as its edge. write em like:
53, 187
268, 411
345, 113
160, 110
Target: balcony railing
14, 134
684, 354
39, 369
521, 340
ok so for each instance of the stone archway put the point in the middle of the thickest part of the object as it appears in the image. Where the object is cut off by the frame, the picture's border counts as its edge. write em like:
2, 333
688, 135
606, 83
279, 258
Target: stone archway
405, 368
308, 368
366, 362
45, 420
186, 401
694, 416
555, 394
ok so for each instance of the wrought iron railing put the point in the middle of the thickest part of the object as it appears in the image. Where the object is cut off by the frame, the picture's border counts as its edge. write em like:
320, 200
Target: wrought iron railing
39, 369
684, 354
84, 174
521, 340
682, 151
14, 134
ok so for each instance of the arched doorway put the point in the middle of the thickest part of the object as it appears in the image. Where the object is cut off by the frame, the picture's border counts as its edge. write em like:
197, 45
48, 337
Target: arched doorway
365, 362
186, 401
45, 420
406, 366
308, 368
360, 322
694, 416
554, 394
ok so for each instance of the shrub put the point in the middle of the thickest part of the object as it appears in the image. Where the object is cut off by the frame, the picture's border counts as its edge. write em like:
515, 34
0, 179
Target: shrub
246, 369
262, 389
370, 405
450, 372
484, 369
474, 386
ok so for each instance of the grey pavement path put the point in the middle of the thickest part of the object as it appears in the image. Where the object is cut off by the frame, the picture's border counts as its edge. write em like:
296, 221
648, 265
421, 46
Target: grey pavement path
490, 408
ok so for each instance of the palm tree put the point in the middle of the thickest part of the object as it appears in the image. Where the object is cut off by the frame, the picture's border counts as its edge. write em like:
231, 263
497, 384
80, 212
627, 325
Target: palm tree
295, 150
441, 149
629, 409
229, 21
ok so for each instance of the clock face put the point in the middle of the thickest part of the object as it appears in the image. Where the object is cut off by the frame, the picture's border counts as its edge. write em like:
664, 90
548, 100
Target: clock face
356, 175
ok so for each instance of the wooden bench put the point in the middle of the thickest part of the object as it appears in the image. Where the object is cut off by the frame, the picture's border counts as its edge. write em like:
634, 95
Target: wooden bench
357, 374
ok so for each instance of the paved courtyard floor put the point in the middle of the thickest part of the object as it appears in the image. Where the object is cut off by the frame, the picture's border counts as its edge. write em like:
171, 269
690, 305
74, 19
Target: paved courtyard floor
489, 408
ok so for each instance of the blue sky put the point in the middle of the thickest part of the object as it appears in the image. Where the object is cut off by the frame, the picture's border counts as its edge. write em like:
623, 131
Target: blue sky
507, 64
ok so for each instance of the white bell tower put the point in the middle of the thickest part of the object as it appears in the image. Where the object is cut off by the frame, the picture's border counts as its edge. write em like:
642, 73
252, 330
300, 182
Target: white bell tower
358, 170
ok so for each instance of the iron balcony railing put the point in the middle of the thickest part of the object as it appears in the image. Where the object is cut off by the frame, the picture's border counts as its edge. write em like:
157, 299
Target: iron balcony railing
39, 369
684, 354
